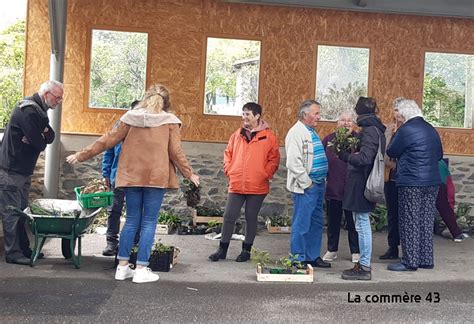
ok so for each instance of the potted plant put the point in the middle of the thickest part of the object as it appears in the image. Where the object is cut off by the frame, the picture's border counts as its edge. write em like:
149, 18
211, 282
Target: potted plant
213, 227
278, 224
205, 214
161, 257
167, 222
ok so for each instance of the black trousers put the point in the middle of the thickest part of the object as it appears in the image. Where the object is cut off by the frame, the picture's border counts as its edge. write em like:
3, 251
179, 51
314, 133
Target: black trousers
113, 219
334, 210
14, 190
391, 200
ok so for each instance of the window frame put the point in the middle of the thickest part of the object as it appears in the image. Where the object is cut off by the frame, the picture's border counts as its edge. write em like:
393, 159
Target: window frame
314, 84
203, 72
88, 58
422, 85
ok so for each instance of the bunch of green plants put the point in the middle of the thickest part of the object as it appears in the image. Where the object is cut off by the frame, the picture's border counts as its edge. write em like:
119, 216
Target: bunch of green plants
260, 257
290, 262
343, 141
161, 248
168, 219
279, 220
378, 218
463, 218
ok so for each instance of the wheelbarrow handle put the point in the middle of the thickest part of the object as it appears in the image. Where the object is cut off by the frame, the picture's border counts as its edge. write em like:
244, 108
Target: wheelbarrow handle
20, 212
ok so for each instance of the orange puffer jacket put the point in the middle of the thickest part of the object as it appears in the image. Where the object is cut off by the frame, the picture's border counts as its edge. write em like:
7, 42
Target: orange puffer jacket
251, 165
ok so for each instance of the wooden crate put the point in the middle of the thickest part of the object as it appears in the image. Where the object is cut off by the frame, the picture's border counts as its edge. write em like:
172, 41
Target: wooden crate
163, 229
270, 277
278, 229
205, 219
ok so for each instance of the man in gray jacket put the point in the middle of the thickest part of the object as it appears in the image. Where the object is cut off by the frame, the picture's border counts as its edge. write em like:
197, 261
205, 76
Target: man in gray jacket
26, 135
307, 170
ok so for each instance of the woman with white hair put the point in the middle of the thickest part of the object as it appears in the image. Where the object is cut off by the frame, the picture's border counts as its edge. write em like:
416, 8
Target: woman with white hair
417, 147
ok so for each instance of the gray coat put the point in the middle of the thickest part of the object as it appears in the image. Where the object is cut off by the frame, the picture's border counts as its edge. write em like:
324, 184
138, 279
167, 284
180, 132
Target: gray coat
361, 162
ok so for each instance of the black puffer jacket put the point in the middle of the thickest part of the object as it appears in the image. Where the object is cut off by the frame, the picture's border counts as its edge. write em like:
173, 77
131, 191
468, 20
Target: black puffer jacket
29, 119
361, 162
417, 147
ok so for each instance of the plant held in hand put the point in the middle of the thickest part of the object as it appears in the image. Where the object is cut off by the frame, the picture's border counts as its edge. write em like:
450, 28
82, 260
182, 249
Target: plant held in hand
344, 141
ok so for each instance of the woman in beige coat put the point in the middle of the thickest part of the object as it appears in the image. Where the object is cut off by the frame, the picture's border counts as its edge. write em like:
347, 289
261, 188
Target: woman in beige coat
151, 151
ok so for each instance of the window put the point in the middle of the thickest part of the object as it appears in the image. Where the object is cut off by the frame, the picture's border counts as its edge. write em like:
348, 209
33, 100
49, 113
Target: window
342, 76
448, 89
117, 69
232, 75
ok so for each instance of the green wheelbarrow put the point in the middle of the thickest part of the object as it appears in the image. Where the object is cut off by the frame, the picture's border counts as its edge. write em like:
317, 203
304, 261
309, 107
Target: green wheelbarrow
68, 221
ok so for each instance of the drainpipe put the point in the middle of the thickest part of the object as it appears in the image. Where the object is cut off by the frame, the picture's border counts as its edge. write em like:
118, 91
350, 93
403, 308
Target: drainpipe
57, 25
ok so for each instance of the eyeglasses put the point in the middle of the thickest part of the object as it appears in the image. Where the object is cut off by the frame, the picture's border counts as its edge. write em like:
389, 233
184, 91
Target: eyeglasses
57, 98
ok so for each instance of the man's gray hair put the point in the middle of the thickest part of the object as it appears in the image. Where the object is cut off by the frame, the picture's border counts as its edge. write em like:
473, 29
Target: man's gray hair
304, 107
409, 109
49, 86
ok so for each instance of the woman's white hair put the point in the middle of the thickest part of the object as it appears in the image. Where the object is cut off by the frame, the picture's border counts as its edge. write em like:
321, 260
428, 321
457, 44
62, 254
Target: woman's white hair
349, 113
409, 109
50, 85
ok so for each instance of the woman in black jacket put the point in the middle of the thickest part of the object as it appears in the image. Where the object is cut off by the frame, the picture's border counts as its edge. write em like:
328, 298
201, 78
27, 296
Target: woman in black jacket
417, 148
359, 165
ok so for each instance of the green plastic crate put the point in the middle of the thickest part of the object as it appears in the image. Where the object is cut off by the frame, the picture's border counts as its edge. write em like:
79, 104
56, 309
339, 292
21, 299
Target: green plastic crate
94, 200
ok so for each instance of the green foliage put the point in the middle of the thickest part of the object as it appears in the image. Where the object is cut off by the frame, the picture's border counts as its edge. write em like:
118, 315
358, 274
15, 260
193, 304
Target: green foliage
290, 262
378, 218
168, 219
342, 76
343, 141
12, 55
161, 248
279, 220
259, 257
442, 106
223, 55
118, 68
463, 217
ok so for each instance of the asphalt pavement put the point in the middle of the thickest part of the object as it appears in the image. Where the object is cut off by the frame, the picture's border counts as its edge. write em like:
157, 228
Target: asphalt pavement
197, 290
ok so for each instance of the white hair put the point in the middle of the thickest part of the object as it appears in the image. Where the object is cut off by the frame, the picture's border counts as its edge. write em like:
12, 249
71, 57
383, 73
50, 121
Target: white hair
49, 86
305, 106
397, 101
409, 109
349, 113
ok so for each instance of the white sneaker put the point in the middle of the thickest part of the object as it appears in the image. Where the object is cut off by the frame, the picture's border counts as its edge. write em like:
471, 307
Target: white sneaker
355, 257
124, 272
330, 256
460, 238
143, 275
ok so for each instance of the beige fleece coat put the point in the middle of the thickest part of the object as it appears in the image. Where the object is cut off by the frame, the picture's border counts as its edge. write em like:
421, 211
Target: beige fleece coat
151, 150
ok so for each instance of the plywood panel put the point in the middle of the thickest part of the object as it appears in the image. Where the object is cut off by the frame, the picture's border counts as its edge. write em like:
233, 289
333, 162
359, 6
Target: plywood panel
289, 37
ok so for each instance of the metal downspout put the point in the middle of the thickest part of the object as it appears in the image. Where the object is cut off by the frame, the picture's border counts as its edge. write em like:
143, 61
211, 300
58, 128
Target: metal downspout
57, 23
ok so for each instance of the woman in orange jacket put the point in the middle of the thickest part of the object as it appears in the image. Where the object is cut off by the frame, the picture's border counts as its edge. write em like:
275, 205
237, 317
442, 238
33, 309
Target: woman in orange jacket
251, 159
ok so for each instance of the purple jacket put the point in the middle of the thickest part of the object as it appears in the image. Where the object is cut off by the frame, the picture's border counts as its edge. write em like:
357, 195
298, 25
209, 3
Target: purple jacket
336, 179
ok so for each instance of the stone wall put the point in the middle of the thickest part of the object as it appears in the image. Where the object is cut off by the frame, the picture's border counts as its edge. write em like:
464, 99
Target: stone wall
207, 161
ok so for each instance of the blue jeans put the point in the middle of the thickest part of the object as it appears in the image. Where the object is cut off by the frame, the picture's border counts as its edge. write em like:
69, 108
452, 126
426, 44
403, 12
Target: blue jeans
364, 232
143, 206
307, 223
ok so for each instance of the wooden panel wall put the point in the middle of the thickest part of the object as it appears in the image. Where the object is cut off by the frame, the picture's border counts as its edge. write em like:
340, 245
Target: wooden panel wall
177, 31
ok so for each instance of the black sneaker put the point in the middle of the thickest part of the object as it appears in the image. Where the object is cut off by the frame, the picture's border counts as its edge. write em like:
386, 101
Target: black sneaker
319, 263
110, 250
357, 273
391, 254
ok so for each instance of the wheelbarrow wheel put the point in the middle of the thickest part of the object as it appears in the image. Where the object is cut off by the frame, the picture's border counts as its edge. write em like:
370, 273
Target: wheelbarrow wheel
66, 248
